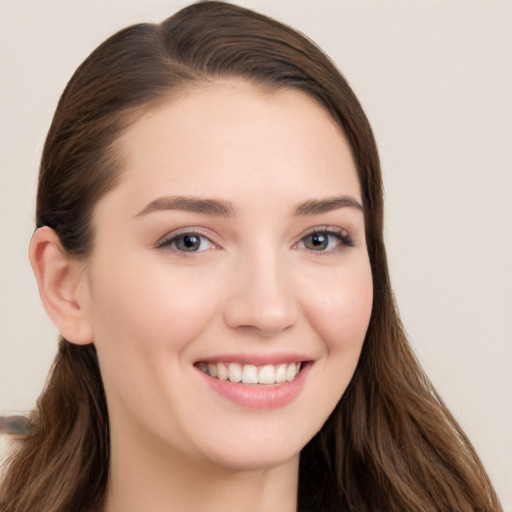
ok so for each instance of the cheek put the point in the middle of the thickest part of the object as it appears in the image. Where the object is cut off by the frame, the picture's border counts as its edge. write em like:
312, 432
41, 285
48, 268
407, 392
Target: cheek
144, 328
155, 308
340, 308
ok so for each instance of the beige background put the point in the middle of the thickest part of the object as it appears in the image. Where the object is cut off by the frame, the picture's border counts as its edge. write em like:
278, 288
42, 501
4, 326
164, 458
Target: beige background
435, 79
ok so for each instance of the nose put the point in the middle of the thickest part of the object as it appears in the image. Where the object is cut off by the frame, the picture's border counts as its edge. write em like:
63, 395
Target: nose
261, 297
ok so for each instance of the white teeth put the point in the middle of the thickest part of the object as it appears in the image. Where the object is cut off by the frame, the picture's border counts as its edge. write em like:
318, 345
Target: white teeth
281, 373
290, 372
252, 374
267, 374
222, 371
235, 372
212, 369
249, 374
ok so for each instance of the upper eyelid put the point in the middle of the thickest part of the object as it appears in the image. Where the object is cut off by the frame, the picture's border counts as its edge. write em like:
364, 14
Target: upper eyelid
184, 231
214, 237
341, 233
329, 229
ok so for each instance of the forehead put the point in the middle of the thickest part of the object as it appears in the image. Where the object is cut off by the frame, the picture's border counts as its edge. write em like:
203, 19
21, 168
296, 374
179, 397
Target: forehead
233, 137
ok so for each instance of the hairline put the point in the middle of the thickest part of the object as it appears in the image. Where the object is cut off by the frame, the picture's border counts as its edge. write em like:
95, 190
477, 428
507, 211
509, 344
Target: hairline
196, 82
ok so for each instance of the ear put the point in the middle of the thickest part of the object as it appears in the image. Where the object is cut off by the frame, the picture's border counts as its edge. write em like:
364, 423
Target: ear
60, 278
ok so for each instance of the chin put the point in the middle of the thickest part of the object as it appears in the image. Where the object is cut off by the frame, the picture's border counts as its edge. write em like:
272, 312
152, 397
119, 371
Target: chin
253, 461
250, 454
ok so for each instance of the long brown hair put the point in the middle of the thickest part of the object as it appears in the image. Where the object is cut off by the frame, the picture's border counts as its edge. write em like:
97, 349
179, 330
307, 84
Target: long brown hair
390, 444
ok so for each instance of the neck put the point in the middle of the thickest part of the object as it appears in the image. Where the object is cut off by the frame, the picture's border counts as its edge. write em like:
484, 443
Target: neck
145, 476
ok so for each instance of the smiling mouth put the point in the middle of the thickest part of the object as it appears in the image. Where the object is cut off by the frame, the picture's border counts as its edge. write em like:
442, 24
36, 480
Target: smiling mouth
267, 374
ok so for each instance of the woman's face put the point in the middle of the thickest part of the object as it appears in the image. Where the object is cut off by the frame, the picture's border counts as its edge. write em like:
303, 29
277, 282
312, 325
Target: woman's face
233, 248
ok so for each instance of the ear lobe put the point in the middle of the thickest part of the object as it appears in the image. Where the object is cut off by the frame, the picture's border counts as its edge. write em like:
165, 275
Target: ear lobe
60, 279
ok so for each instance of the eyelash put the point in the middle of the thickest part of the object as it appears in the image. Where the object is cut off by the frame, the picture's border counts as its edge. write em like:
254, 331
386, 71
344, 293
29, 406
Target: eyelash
173, 237
330, 231
341, 235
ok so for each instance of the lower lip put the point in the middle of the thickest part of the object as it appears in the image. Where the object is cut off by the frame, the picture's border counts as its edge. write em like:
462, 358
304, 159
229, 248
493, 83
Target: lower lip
259, 396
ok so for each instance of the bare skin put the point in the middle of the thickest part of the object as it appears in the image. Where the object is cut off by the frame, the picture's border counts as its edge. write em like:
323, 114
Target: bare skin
236, 235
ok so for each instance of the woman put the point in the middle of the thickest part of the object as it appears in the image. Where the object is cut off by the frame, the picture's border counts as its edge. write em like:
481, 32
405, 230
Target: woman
209, 245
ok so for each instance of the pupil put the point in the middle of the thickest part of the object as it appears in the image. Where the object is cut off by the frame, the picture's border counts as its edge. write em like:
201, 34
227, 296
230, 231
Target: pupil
190, 242
318, 241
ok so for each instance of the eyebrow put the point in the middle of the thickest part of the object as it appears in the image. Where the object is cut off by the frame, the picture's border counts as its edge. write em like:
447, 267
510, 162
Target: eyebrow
215, 207
223, 208
316, 206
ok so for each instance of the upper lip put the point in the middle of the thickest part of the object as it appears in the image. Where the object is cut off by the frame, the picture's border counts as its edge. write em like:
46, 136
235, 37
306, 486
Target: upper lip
257, 358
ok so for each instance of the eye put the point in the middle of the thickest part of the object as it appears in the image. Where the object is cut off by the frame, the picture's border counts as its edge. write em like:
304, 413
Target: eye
325, 240
186, 241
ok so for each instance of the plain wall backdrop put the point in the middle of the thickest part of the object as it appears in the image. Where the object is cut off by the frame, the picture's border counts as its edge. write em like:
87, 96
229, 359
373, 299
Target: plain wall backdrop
435, 79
